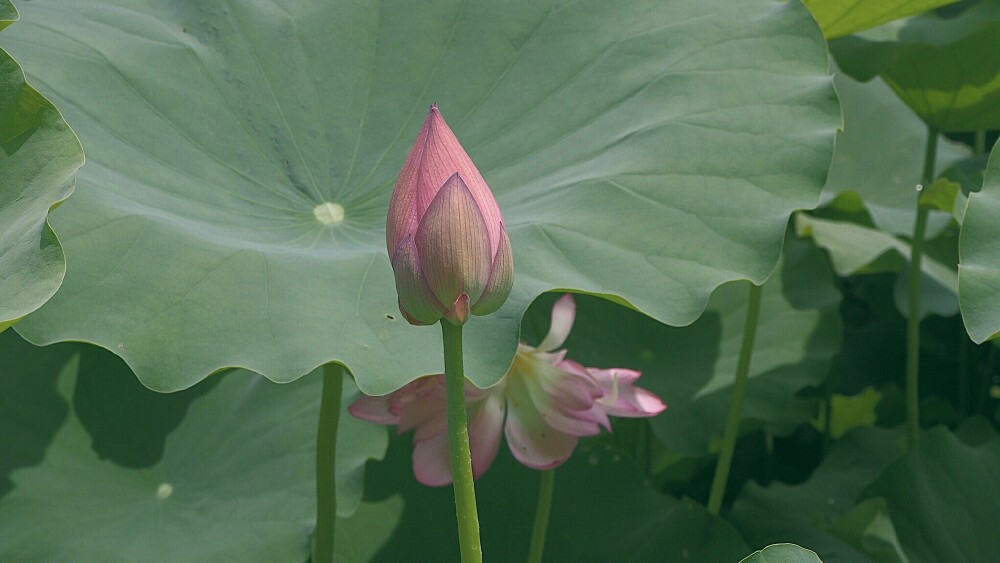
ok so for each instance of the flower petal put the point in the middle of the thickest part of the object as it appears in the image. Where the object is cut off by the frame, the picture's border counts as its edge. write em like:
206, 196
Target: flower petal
501, 278
404, 212
636, 402
454, 245
416, 301
435, 156
425, 410
485, 428
533, 442
608, 375
622, 398
373, 409
569, 384
431, 463
563, 315
459, 311
431, 453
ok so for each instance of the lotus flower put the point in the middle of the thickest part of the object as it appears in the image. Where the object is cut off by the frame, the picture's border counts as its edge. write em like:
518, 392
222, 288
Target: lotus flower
543, 405
445, 234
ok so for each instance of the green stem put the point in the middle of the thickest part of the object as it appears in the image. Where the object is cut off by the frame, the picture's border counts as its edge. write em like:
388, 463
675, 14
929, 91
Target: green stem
739, 395
913, 320
542, 512
963, 371
930, 156
986, 382
458, 440
326, 463
828, 420
980, 142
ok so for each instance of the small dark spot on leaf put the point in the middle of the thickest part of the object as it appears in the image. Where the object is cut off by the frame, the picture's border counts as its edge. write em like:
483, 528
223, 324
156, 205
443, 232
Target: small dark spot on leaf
390, 317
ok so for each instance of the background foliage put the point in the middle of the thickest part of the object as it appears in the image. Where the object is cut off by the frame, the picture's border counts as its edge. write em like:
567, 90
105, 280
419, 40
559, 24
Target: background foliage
655, 157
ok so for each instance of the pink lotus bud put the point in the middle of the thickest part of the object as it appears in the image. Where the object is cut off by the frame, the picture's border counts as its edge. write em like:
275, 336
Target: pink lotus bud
445, 235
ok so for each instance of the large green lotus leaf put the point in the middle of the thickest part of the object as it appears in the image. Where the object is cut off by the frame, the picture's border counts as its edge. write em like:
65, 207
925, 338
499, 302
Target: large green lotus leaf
979, 263
782, 553
8, 13
942, 497
880, 155
805, 513
868, 527
648, 150
854, 248
844, 17
96, 465
603, 510
944, 67
360, 537
692, 368
39, 157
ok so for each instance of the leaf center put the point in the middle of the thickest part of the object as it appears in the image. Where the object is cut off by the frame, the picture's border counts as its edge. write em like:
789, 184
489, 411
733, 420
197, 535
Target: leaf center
329, 213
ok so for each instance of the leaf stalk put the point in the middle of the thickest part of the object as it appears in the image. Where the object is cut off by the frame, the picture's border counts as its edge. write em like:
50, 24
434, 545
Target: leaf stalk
913, 320
542, 511
721, 478
326, 463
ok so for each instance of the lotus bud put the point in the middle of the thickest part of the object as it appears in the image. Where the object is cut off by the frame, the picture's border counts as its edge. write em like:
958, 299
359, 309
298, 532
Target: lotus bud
445, 234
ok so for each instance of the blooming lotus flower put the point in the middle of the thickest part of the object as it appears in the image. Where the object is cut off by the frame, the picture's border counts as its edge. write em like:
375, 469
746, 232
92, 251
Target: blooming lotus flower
445, 234
543, 405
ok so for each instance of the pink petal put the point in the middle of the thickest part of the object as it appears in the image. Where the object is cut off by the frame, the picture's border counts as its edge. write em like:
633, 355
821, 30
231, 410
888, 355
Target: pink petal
574, 424
572, 418
373, 409
570, 392
431, 454
388, 408
416, 301
459, 311
570, 384
501, 279
427, 409
453, 244
431, 463
404, 213
409, 403
563, 315
485, 428
636, 402
533, 442
430, 385
435, 421
623, 374
622, 398
435, 156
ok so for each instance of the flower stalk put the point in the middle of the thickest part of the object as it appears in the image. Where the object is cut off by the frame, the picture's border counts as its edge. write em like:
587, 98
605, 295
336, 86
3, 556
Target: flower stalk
913, 320
458, 441
326, 463
718, 490
542, 511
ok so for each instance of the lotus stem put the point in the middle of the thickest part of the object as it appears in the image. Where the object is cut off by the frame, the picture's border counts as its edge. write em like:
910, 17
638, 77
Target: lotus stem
326, 463
458, 440
718, 490
542, 512
913, 321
